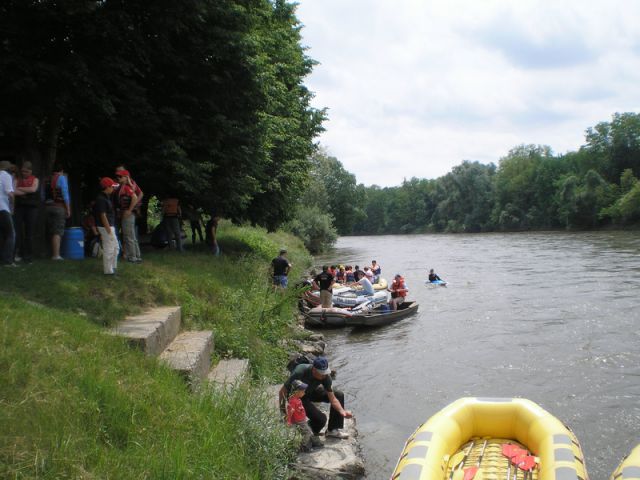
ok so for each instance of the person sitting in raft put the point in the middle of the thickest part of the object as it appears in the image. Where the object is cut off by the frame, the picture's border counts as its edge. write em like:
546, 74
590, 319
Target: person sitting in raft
433, 277
369, 274
367, 287
320, 389
340, 274
357, 273
297, 416
377, 271
349, 277
398, 291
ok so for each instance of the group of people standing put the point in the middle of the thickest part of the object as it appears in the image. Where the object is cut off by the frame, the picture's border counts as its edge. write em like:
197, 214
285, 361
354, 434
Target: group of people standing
24, 198
21, 196
118, 202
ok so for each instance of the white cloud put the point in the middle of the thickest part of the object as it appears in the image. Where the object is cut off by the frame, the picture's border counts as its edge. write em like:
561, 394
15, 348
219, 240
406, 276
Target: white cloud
414, 87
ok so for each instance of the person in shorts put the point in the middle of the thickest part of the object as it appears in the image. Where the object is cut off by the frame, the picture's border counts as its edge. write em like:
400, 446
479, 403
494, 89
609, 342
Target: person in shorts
58, 208
280, 267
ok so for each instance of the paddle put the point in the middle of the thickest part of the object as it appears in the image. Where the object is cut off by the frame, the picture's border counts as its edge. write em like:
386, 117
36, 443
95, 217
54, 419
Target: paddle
527, 463
510, 451
456, 472
470, 473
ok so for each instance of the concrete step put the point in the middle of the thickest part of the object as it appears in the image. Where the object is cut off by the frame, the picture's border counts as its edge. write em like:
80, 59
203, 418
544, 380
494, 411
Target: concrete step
229, 372
190, 354
151, 331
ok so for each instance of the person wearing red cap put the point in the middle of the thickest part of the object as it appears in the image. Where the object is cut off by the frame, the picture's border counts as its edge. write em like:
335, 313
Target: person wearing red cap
127, 200
105, 220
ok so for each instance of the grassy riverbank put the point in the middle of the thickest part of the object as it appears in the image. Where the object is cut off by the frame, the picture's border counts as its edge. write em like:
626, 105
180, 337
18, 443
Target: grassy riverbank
78, 403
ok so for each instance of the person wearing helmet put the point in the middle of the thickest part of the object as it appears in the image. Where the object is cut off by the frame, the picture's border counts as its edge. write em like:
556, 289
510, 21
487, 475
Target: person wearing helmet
317, 377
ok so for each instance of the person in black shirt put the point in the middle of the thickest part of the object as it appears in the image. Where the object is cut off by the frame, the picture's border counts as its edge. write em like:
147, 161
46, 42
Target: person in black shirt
433, 277
105, 217
280, 267
358, 274
324, 282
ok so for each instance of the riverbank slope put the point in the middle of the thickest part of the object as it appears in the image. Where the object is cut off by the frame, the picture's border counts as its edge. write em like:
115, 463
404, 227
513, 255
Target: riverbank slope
79, 403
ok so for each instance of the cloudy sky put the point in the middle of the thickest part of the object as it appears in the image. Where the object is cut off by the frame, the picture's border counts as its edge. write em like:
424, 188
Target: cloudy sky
413, 87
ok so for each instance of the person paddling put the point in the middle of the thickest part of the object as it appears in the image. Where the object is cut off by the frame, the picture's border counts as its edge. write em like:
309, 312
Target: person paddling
433, 277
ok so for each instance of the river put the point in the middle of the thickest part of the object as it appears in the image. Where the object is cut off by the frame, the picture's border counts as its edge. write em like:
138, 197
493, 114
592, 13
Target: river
552, 317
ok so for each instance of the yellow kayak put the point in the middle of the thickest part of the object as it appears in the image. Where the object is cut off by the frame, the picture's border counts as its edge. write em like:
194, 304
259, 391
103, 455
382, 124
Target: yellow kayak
492, 438
629, 468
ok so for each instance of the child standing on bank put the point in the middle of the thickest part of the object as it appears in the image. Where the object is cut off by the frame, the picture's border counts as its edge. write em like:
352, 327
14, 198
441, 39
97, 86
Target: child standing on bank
297, 416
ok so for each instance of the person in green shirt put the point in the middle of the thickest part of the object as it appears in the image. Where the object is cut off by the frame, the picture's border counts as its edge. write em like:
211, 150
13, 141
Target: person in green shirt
317, 376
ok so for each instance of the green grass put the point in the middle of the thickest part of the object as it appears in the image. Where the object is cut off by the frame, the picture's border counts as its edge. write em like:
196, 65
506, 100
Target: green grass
76, 402
229, 294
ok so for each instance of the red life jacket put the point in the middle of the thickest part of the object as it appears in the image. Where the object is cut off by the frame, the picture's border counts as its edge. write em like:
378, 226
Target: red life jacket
28, 199
398, 288
53, 192
125, 195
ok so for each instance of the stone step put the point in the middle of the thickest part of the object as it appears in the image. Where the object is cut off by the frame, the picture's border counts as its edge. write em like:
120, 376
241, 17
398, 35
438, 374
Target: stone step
190, 354
229, 372
337, 459
151, 331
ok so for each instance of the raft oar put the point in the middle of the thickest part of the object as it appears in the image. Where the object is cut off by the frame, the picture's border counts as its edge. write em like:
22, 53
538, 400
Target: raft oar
527, 463
471, 472
456, 471
510, 451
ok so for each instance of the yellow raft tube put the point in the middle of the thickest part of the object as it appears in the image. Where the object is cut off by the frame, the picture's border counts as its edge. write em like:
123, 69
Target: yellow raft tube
629, 468
471, 432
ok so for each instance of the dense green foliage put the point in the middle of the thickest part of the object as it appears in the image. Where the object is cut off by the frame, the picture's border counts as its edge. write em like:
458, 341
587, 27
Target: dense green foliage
530, 189
200, 98
78, 403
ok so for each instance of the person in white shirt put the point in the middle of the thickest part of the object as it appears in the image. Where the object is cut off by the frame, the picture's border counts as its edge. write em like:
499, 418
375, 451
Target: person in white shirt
367, 287
7, 232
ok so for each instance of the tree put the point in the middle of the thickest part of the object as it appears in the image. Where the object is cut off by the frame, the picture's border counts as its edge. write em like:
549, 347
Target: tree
201, 98
617, 144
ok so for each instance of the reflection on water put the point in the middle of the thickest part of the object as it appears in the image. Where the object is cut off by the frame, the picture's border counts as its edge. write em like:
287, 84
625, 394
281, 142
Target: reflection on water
552, 317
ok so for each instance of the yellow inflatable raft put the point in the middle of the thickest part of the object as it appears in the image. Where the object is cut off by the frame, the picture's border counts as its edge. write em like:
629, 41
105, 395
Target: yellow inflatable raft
381, 284
629, 468
471, 438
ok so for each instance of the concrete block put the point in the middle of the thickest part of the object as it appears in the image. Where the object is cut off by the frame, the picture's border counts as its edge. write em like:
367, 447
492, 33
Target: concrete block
229, 372
151, 331
190, 354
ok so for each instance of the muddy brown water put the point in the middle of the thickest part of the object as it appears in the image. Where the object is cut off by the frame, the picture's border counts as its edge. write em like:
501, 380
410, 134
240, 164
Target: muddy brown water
552, 317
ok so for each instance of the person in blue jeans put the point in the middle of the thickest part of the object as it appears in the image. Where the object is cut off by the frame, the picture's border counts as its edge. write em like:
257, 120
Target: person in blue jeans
280, 267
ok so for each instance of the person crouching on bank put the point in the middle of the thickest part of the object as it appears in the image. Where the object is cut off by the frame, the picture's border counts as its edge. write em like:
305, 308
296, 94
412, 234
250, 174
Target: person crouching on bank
317, 377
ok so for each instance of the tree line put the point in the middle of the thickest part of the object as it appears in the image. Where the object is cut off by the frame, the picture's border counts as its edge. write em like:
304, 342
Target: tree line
203, 99
531, 188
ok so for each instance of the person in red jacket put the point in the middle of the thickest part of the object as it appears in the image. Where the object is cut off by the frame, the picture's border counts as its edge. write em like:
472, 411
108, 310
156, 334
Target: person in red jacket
297, 416
398, 291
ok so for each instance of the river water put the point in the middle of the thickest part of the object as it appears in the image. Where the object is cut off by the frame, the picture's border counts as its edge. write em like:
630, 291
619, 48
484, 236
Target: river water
552, 317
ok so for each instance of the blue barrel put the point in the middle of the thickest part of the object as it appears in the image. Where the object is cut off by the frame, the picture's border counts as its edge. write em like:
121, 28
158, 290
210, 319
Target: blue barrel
73, 244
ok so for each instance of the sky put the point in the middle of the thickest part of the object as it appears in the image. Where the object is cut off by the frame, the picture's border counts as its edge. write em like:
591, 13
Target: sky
414, 87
